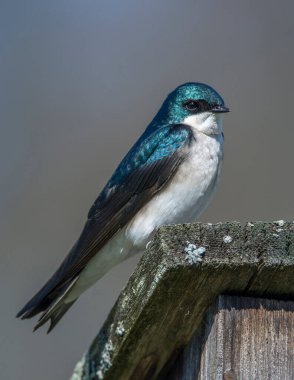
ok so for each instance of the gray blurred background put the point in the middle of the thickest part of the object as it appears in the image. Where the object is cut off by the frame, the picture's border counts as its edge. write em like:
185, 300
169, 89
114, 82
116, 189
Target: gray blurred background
79, 82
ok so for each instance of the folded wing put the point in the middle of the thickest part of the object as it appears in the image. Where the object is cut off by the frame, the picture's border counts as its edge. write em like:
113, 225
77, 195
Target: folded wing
146, 169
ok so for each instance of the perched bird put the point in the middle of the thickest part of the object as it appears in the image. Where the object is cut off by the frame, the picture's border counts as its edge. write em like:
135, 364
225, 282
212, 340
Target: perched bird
168, 176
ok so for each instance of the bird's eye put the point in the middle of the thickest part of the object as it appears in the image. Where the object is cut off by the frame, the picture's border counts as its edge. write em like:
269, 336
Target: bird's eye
192, 105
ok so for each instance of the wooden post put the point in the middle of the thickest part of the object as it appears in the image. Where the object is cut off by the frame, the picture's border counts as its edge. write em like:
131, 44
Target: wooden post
165, 302
240, 338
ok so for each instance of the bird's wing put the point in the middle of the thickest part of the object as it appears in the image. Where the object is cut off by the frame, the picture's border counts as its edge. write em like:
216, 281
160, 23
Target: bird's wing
142, 173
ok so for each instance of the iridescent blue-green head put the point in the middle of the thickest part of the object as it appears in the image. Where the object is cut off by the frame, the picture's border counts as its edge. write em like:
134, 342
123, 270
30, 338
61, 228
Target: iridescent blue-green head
196, 104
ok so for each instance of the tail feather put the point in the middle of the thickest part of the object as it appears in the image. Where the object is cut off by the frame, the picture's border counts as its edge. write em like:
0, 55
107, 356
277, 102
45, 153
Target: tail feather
40, 302
52, 302
57, 309
51, 291
54, 314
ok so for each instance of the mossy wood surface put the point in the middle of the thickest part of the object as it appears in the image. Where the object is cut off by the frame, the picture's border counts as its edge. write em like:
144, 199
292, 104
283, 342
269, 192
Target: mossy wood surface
165, 300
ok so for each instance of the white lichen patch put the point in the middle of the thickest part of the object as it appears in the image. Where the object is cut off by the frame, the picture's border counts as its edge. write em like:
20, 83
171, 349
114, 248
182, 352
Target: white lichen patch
280, 223
140, 284
100, 374
120, 330
125, 302
227, 239
249, 224
156, 278
105, 361
279, 229
194, 255
79, 369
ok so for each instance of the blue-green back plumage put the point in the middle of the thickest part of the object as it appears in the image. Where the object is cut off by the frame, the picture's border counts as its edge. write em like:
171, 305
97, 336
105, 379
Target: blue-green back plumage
158, 143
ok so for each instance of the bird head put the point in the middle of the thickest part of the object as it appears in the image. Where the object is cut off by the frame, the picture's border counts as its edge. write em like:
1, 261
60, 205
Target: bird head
195, 104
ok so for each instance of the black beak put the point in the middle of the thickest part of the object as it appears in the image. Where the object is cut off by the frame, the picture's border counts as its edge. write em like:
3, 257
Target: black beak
220, 109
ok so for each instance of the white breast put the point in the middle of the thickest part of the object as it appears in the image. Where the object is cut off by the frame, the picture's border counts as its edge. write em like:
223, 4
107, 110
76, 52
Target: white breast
188, 193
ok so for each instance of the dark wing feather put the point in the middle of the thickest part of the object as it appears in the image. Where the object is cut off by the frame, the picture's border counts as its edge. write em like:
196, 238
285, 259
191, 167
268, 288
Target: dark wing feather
113, 211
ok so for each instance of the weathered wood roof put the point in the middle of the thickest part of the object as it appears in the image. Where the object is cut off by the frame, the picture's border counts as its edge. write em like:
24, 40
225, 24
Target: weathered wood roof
165, 299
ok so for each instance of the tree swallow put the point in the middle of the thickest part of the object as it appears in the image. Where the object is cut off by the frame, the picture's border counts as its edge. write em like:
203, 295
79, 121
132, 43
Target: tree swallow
168, 176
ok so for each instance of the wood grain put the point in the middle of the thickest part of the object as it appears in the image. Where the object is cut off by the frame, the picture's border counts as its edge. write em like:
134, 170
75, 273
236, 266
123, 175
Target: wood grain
241, 338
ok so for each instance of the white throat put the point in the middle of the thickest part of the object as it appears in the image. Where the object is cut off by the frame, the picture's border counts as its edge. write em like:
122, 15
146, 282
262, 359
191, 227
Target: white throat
208, 123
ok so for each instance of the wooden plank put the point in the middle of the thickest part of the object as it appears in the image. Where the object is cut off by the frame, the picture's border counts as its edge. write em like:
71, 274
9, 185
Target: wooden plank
241, 338
166, 298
